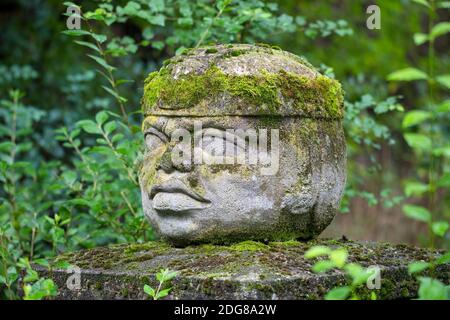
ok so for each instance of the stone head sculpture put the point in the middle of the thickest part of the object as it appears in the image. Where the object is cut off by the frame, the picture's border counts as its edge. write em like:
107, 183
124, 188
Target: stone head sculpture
243, 142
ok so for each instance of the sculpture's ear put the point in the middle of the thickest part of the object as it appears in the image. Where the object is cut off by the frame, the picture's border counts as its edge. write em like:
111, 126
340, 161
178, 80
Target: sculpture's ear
149, 121
300, 204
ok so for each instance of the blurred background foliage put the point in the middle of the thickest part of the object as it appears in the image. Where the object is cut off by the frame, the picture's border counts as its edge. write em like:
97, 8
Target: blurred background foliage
70, 141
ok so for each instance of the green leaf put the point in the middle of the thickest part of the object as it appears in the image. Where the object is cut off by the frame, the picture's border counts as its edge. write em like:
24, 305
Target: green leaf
444, 80
222, 4
165, 275
41, 289
117, 137
101, 117
317, 251
323, 266
422, 2
76, 32
70, 4
417, 212
415, 189
80, 201
132, 8
114, 94
445, 258
89, 126
440, 29
149, 290
415, 117
407, 74
122, 81
158, 45
444, 181
101, 62
99, 37
439, 228
6, 146
420, 38
418, 141
339, 257
87, 44
442, 151
61, 264
11, 275
416, 267
42, 262
163, 293
358, 273
444, 5
444, 107
180, 50
432, 289
339, 293
110, 127
31, 276
157, 5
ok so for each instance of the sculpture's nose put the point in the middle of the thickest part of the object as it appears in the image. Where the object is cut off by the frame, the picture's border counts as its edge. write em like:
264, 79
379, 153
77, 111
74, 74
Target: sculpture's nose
168, 164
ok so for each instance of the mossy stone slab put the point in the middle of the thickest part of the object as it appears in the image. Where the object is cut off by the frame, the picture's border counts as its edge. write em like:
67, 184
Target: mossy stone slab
247, 270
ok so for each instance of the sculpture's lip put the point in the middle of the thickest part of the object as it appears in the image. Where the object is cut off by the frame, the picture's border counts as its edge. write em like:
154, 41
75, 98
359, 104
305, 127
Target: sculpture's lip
176, 186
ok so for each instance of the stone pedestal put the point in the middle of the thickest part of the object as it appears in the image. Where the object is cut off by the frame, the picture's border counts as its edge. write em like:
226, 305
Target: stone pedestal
247, 270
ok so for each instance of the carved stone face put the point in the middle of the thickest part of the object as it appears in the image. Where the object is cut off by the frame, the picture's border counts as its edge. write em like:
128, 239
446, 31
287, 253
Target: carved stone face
187, 202
293, 188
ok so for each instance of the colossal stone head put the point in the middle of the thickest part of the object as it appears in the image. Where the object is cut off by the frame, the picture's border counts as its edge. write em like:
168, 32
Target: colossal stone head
243, 142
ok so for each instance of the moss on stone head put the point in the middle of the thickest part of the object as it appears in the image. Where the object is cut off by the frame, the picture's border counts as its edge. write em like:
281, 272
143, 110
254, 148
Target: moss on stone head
267, 91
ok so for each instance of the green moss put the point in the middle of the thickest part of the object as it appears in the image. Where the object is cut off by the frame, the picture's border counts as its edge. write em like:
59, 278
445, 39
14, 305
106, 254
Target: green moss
186, 52
132, 248
319, 95
263, 45
211, 50
249, 246
235, 53
289, 243
273, 121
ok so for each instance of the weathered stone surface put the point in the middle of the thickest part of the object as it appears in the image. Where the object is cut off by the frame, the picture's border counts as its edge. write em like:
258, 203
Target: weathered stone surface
255, 91
236, 202
247, 270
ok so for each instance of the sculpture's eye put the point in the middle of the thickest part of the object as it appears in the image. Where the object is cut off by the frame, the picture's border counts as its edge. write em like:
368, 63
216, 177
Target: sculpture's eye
217, 142
154, 140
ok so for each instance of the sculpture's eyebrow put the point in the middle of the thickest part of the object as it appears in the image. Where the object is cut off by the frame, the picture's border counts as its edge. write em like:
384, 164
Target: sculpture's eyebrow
157, 132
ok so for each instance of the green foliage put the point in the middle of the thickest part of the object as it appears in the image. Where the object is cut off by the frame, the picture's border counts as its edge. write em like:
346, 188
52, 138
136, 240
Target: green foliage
36, 288
366, 131
50, 208
432, 289
424, 133
164, 276
332, 259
